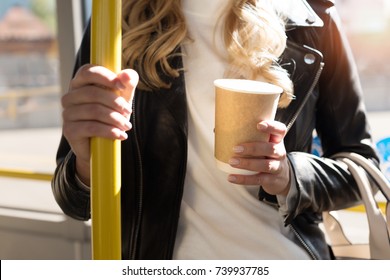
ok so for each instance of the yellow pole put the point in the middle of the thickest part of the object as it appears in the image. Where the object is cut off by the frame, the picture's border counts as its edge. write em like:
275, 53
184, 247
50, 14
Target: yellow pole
25, 174
106, 50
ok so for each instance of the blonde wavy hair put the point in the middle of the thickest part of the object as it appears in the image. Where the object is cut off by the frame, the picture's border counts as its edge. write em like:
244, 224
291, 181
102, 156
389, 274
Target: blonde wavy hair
254, 37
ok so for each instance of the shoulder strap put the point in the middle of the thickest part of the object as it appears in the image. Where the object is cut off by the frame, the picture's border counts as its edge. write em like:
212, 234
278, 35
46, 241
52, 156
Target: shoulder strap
379, 225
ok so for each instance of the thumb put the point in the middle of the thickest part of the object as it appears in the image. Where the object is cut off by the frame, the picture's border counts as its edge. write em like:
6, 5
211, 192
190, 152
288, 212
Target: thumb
129, 79
277, 130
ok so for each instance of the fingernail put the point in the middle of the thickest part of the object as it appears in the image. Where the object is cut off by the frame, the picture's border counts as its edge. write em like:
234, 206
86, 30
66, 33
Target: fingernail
128, 125
232, 178
127, 108
124, 135
234, 161
238, 149
262, 126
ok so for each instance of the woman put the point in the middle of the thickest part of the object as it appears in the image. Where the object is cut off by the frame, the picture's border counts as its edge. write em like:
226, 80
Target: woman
175, 202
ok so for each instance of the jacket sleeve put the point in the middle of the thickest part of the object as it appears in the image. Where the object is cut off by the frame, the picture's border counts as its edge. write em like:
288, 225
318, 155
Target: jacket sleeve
72, 197
341, 123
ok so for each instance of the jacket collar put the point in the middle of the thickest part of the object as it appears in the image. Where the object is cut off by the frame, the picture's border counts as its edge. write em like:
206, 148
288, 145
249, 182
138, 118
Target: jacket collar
298, 13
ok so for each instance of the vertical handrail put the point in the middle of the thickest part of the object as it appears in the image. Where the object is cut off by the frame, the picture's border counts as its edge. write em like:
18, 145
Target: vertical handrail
106, 50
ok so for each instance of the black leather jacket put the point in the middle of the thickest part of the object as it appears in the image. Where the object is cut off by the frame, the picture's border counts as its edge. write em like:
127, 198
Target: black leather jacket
329, 99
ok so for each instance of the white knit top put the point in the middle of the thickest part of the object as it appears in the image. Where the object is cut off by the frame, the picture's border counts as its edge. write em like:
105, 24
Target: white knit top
218, 220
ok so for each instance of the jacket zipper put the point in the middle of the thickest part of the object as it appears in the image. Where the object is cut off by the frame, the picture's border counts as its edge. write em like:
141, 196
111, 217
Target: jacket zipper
179, 194
134, 241
290, 124
316, 78
303, 243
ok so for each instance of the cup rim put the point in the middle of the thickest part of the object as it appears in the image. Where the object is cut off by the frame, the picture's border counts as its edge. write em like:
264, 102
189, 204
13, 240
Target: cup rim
252, 86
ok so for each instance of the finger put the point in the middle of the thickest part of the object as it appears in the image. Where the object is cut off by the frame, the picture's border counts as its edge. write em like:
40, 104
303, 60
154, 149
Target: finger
277, 130
98, 113
74, 131
129, 78
96, 75
269, 166
260, 179
245, 179
93, 94
261, 150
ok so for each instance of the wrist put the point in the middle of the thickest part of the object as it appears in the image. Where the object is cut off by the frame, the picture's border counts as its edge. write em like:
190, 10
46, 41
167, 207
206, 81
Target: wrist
83, 171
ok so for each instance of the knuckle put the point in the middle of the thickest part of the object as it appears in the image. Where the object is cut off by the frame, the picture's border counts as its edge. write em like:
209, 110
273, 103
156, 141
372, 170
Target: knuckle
283, 156
259, 180
84, 71
97, 112
249, 149
273, 150
91, 129
244, 163
64, 100
66, 128
268, 166
64, 115
265, 181
244, 180
94, 111
278, 151
272, 167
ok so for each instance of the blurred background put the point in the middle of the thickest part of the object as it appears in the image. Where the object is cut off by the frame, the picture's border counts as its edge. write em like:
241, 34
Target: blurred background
38, 42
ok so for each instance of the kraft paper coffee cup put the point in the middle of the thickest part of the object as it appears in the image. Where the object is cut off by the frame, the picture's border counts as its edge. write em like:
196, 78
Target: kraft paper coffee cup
239, 106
